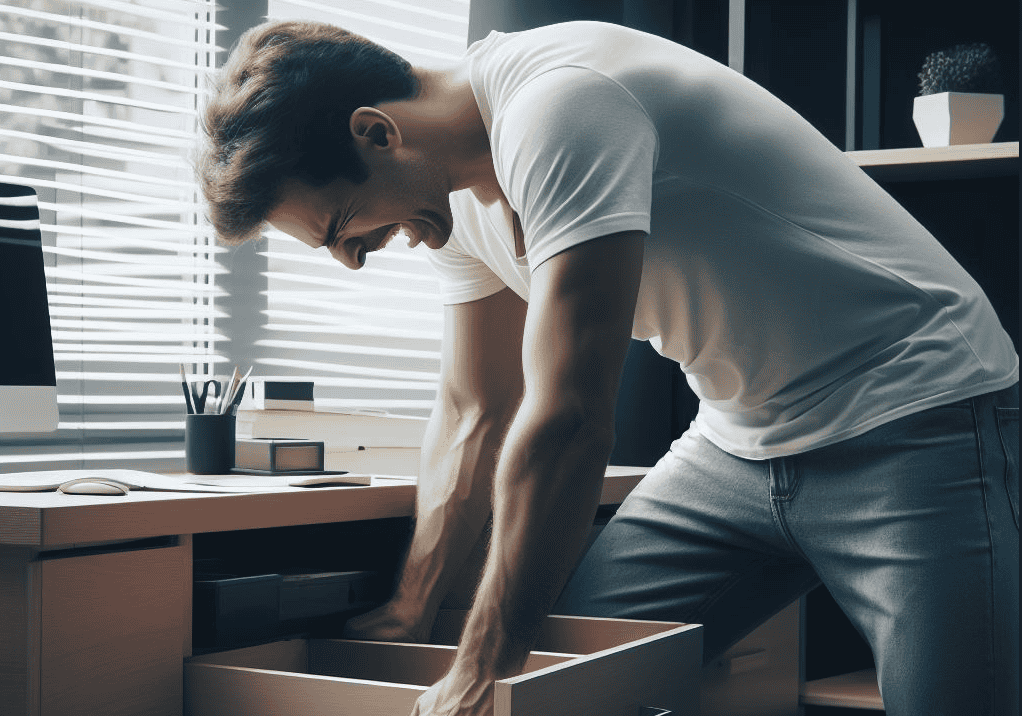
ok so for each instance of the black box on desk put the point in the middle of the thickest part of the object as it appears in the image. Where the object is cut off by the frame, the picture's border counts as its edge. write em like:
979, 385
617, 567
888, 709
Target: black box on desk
278, 455
281, 395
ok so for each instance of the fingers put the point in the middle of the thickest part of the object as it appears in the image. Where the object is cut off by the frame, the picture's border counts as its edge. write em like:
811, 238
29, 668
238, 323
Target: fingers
425, 703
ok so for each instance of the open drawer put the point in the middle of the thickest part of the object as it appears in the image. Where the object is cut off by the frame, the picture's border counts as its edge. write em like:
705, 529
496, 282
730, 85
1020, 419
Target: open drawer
581, 665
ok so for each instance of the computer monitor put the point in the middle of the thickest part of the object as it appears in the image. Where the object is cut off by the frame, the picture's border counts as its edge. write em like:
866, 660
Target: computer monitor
28, 378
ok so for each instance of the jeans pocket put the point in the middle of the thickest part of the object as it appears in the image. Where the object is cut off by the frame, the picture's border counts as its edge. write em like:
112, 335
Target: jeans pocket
1007, 427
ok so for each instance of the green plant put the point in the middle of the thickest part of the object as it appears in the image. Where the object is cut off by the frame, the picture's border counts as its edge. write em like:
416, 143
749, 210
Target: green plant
962, 68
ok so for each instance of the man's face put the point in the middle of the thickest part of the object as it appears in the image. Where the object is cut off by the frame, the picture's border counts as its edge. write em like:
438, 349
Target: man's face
355, 219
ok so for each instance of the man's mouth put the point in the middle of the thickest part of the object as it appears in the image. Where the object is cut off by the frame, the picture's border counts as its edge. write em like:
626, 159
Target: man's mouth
370, 243
414, 236
429, 224
385, 238
421, 229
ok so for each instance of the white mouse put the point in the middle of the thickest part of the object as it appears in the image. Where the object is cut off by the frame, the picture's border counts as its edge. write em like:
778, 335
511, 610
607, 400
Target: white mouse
94, 487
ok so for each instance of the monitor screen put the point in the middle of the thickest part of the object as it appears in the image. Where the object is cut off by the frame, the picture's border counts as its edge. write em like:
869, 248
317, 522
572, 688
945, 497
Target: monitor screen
28, 381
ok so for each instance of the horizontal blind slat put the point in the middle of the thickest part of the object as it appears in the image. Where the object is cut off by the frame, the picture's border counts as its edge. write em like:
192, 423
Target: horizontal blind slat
103, 52
98, 74
96, 97
175, 12
117, 128
107, 151
121, 30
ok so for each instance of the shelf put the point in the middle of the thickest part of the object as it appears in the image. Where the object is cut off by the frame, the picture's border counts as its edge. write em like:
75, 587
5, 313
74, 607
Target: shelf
857, 690
963, 161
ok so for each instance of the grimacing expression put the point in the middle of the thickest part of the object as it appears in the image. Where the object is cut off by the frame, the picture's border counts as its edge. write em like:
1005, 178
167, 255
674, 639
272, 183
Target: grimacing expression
352, 220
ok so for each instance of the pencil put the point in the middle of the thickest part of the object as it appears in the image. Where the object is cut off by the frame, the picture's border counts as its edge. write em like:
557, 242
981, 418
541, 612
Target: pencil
184, 387
224, 401
238, 394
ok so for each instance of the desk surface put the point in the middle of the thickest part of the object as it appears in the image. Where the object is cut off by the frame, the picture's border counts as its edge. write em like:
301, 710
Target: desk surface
46, 520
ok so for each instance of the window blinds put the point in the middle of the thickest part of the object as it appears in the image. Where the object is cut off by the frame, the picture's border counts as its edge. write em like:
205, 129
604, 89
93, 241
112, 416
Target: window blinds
99, 104
369, 338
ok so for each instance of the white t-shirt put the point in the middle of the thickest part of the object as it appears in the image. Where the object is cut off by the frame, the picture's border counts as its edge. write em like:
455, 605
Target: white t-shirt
803, 303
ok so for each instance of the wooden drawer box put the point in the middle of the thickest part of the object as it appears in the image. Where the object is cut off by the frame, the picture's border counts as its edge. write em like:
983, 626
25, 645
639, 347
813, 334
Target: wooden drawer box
581, 665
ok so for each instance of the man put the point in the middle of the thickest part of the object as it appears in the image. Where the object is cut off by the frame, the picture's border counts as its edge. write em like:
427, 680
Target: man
581, 184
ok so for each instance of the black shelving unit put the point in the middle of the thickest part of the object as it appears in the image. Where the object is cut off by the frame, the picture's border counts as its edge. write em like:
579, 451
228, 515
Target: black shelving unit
850, 67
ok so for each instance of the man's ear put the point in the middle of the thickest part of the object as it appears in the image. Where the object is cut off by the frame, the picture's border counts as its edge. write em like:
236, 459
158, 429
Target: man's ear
374, 128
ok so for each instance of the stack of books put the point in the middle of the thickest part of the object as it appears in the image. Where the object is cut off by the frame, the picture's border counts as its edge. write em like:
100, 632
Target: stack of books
377, 443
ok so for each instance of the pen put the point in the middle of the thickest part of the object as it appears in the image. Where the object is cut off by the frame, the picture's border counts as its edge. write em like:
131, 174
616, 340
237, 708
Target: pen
224, 402
238, 393
244, 380
233, 409
184, 387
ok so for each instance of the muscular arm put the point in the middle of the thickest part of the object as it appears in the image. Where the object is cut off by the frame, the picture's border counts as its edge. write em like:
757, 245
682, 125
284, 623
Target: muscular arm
550, 472
480, 390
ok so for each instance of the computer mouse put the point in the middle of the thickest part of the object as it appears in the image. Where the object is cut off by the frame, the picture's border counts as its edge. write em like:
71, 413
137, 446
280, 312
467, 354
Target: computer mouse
94, 487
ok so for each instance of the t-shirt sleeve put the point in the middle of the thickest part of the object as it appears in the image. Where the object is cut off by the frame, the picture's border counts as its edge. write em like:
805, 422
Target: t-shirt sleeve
462, 278
575, 154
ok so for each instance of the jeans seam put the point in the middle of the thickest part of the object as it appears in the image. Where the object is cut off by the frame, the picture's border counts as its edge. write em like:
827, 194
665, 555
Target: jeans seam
796, 481
775, 513
984, 489
1001, 415
775, 508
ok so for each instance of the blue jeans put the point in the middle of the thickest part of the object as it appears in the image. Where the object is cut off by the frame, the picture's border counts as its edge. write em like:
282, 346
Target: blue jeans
913, 528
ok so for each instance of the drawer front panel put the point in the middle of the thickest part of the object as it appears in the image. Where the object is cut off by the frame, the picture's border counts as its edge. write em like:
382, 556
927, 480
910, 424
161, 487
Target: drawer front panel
661, 671
651, 664
212, 690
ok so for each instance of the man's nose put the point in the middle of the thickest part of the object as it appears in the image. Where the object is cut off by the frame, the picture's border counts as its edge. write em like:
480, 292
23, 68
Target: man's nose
351, 254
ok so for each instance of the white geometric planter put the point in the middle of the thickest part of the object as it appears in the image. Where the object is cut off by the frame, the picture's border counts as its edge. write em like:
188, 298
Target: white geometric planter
950, 118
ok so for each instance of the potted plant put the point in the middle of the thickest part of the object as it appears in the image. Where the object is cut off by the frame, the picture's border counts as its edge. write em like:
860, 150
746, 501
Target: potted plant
960, 100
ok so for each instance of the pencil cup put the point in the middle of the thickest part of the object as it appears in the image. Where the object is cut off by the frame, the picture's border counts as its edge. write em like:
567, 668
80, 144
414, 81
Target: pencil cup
209, 443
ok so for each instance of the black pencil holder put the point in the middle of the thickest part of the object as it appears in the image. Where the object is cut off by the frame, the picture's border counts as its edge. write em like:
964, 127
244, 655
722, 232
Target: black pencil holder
209, 443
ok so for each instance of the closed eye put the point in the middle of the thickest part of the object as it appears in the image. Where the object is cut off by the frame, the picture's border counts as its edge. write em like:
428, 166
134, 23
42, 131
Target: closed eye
335, 228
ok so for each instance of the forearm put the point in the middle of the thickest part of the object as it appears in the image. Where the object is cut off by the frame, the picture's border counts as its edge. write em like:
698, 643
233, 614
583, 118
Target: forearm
453, 503
547, 490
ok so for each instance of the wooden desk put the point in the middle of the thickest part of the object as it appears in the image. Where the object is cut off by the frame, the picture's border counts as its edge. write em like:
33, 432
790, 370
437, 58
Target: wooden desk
96, 591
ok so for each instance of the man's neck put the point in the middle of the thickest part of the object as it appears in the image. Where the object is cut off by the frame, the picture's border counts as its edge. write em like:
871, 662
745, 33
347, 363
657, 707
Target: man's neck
445, 118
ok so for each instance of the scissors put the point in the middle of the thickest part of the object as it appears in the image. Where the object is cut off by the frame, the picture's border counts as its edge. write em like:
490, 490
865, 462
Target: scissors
199, 399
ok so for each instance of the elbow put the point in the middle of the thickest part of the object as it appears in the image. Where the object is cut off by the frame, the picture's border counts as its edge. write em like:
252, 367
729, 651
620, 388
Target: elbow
482, 419
481, 408
595, 434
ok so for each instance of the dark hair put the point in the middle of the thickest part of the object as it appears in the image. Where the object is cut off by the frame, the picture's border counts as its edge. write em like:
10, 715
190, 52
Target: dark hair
280, 109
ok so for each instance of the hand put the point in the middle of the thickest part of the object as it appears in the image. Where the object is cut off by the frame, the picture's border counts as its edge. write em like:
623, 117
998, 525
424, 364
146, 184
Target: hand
387, 622
457, 695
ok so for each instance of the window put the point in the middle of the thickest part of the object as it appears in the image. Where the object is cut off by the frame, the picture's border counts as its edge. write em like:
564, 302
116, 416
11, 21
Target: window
99, 110
369, 338
99, 104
